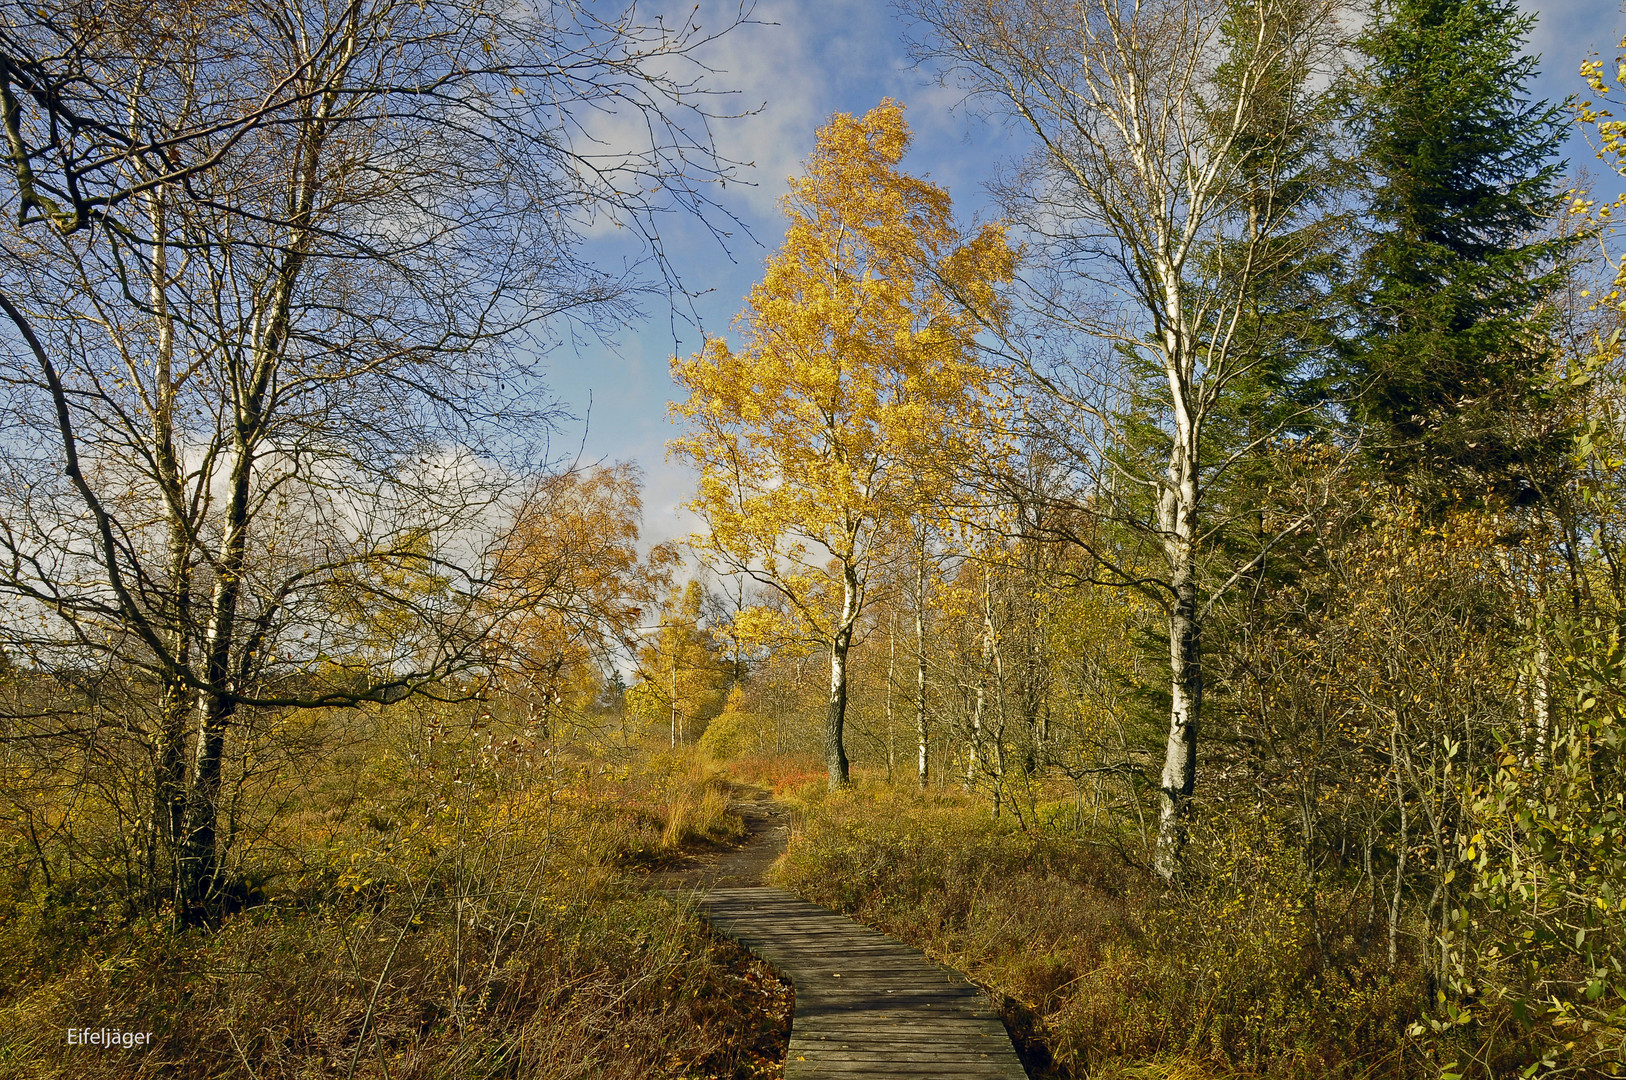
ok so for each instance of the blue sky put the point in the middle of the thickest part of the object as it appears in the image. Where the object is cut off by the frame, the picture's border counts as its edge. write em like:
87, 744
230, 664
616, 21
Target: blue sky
803, 62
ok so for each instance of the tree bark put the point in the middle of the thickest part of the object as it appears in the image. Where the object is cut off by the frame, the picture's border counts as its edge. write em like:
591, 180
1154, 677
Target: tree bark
216, 707
1177, 511
920, 665
891, 669
991, 650
835, 750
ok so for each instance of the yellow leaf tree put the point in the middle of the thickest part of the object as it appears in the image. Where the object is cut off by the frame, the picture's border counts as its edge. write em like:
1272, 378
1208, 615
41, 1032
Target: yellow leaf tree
682, 680
857, 396
579, 588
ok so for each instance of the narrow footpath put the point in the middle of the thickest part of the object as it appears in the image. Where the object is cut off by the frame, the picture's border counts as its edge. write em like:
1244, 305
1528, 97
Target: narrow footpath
866, 1004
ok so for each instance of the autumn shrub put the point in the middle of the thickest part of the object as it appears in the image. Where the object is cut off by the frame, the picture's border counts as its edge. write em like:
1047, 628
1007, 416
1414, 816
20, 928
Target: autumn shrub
1540, 941
1250, 968
732, 734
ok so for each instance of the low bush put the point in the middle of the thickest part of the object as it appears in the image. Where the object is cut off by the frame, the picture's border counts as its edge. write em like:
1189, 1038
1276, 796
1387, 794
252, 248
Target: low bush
730, 735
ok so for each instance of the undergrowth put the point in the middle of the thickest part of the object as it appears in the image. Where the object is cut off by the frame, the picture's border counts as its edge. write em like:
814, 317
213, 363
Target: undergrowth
590, 981
418, 921
1249, 969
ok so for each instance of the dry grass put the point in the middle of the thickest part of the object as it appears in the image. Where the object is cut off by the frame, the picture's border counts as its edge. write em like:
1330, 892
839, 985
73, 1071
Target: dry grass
1248, 971
421, 919
594, 981
650, 815
793, 777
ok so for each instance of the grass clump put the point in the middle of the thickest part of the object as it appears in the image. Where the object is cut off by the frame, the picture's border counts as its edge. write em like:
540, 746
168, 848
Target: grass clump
648, 814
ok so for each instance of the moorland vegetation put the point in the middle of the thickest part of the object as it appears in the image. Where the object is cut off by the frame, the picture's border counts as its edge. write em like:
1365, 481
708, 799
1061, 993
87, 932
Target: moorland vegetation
1191, 604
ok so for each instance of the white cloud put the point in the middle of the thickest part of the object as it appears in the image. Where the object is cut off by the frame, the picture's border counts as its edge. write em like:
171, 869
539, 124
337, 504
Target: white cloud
773, 65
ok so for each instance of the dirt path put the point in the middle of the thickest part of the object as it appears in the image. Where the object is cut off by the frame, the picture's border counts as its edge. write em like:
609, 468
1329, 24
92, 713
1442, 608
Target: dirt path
767, 825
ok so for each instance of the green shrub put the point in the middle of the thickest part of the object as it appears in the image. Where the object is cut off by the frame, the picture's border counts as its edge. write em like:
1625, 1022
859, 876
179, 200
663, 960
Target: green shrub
731, 735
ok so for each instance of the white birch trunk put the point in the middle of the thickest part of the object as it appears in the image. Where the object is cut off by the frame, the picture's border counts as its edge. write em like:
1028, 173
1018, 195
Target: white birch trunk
835, 750
920, 666
1177, 508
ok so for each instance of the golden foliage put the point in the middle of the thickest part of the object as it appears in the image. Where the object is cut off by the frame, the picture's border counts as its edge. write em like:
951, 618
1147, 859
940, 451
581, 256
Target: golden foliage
573, 556
857, 395
1608, 137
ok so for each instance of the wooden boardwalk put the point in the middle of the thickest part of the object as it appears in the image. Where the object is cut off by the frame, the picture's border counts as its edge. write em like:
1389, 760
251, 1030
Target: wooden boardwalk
866, 1004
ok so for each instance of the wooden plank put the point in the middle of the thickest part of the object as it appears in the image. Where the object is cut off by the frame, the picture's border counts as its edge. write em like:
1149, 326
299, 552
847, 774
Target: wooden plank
799, 1067
867, 1005
861, 1038
860, 1054
903, 1064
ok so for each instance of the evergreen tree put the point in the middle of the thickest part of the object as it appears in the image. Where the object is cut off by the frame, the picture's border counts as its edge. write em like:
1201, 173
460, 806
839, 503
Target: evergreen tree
1448, 368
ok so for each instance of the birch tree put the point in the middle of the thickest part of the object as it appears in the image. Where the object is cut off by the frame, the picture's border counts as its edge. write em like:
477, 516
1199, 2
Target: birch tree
858, 379
1165, 189
272, 302
572, 558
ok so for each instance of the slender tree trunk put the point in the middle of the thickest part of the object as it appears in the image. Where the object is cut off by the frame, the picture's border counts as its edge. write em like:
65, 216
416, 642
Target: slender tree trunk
974, 757
169, 750
835, 750
1372, 886
201, 855
991, 650
891, 669
1541, 692
920, 664
216, 705
174, 704
1177, 512
974, 751
1402, 842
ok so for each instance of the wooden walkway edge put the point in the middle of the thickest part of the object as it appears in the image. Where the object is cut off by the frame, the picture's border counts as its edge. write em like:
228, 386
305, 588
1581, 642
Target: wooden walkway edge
867, 1005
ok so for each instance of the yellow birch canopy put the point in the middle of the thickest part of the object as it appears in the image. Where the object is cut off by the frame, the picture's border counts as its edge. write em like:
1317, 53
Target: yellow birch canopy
857, 397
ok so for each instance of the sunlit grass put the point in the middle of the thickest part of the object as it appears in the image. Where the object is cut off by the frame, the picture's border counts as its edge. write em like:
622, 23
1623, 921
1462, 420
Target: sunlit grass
1248, 970
420, 915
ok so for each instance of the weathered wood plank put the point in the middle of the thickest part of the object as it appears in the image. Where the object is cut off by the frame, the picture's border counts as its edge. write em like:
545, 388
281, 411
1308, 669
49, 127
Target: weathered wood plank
866, 1004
